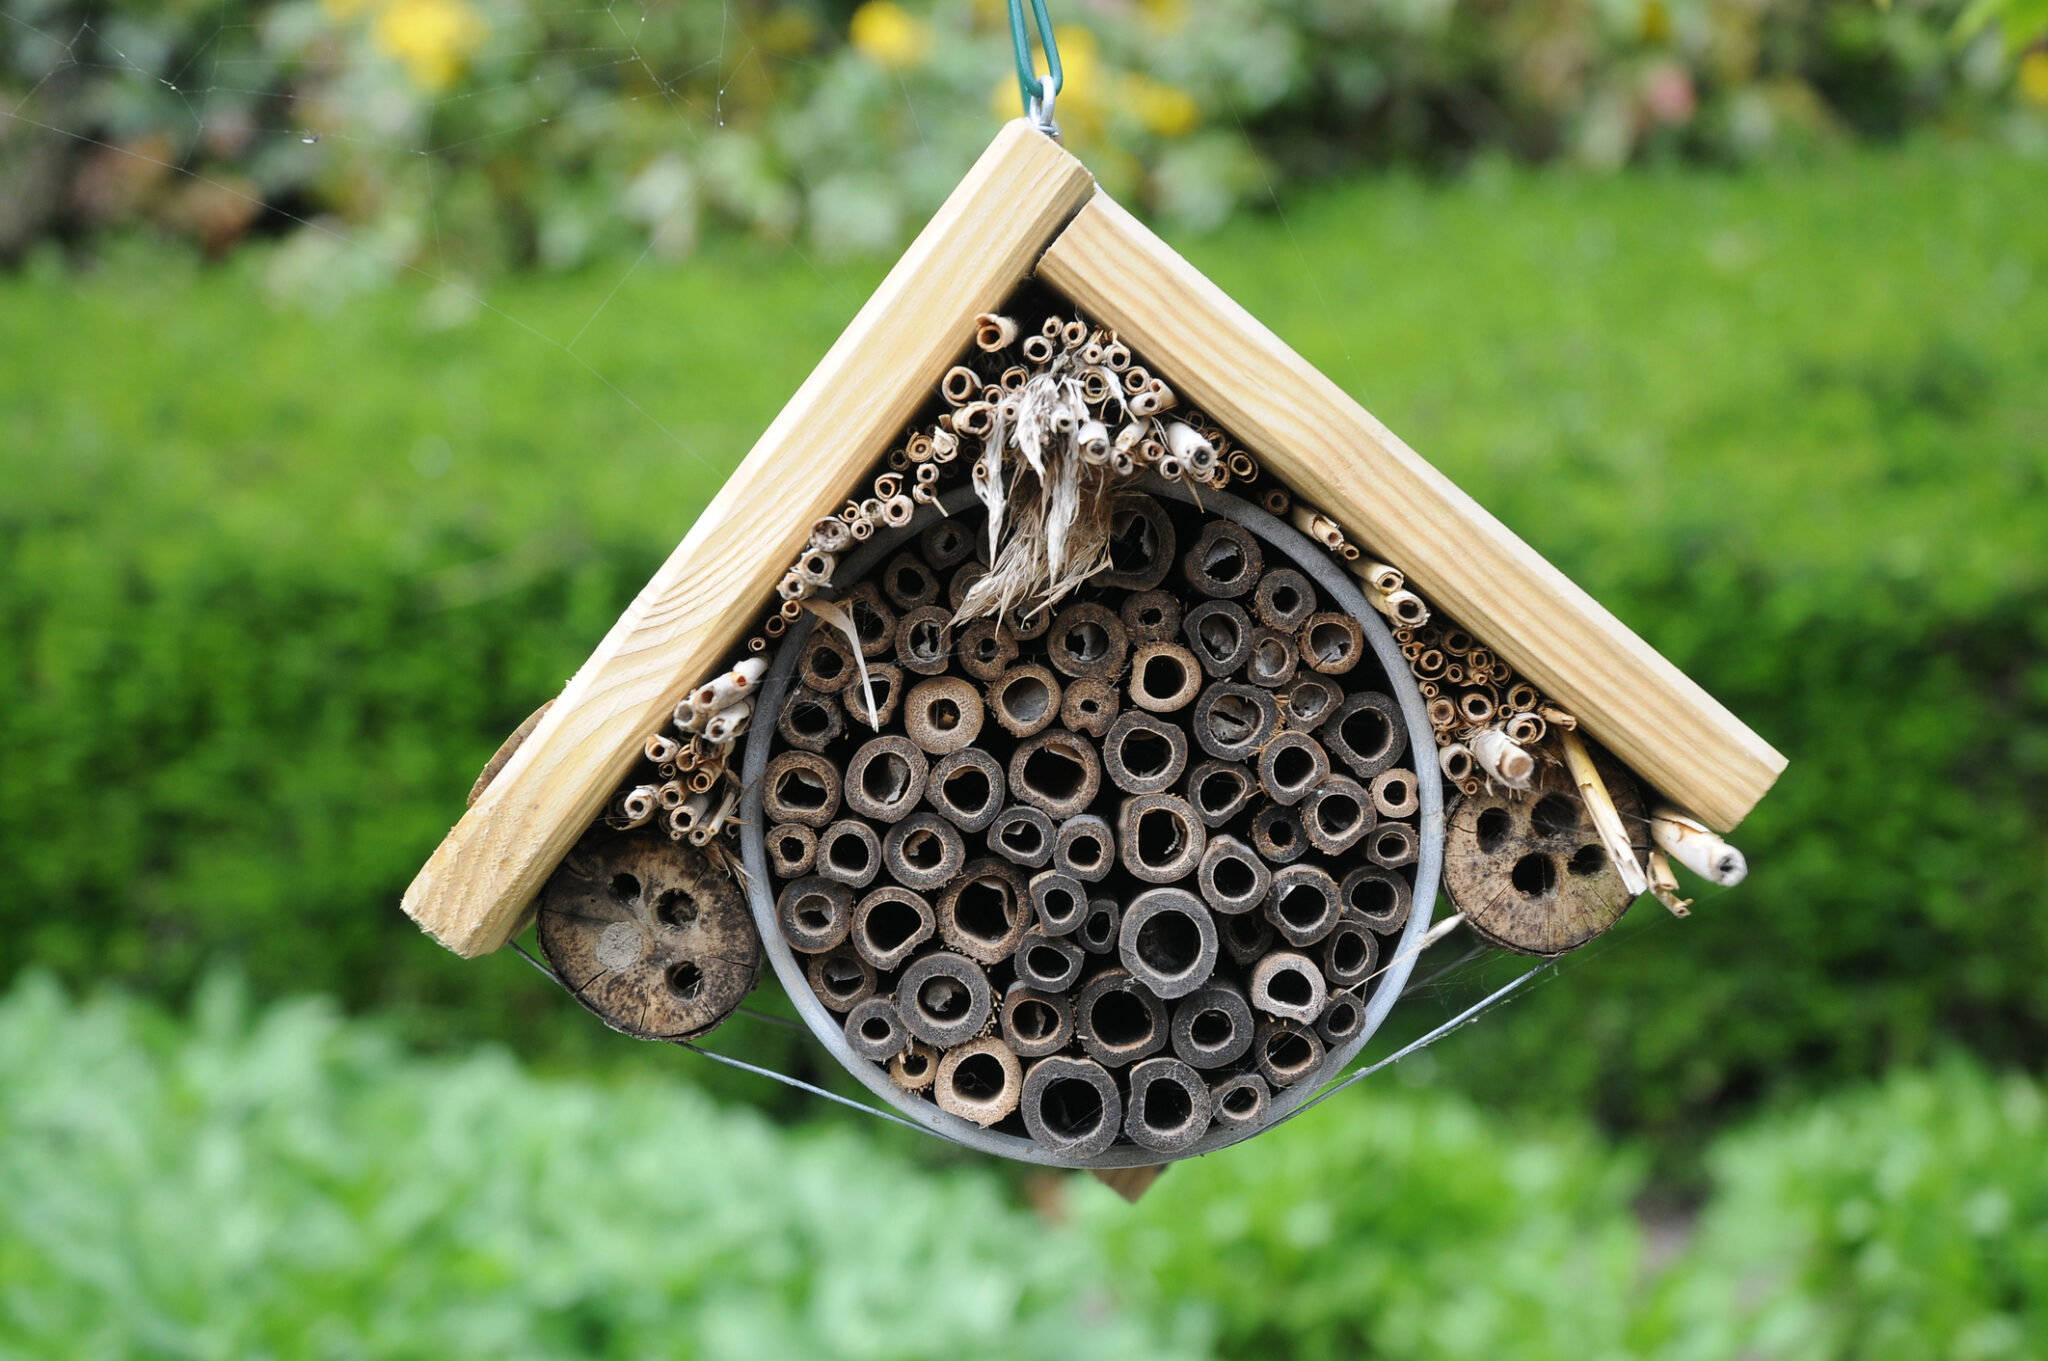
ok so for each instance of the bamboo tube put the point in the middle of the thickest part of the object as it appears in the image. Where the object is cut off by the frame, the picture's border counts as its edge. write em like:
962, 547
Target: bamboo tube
1557, 718
1143, 754
1224, 562
1212, 1026
701, 782
662, 750
1151, 617
967, 788
1118, 1019
1169, 1108
1342, 1018
1036, 350
1377, 897
1023, 834
1455, 761
1504, 760
1664, 884
1272, 659
885, 778
1350, 951
1303, 907
849, 852
1240, 1101
830, 535
1277, 834
730, 722
1283, 599
1049, 964
994, 332
1232, 722
875, 1030
1331, 642
944, 998
1071, 1106
669, 795
1059, 900
1035, 1024
826, 663
909, 583
1402, 607
1025, 699
1286, 1051
915, 1068
841, 979
959, 385
815, 914
1165, 677
1232, 878
1316, 525
1694, 845
1395, 793
1092, 440
1058, 771
1246, 937
1392, 845
889, 925
1088, 640
801, 787
1337, 814
1366, 733
1606, 820
1276, 501
809, 720
1288, 984
1528, 729
1089, 706
1084, 848
923, 851
1219, 791
1290, 766
943, 715
1168, 941
1159, 838
1381, 577
1220, 635
1098, 933
792, 848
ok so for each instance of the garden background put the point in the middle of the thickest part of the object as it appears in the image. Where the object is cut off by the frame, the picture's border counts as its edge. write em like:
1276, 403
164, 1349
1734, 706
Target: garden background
360, 358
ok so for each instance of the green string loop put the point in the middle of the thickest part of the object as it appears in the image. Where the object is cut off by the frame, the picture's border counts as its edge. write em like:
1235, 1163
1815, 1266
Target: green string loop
1028, 86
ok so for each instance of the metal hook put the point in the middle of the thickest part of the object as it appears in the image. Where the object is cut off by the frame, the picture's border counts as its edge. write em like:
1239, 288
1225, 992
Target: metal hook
1039, 108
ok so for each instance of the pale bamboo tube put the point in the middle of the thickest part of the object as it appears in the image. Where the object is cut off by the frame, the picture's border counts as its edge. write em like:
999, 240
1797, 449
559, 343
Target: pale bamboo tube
731, 687
1556, 717
1504, 759
1606, 819
1402, 607
730, 722
1456, 762
993, 332
1664, 884
1316, 525
662, 749
1693, 844
1381, 576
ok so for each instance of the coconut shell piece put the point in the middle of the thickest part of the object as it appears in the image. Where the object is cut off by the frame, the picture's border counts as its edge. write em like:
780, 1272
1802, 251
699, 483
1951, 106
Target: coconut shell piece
648, 934
1528, 870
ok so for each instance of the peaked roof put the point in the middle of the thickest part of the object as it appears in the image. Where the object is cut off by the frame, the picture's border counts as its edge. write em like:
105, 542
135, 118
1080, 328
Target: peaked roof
1028, 207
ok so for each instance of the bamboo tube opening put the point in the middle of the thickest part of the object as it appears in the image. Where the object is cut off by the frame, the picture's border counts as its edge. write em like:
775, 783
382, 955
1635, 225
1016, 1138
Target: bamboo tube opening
1165, 677
944, 998
1023, 834
840, 978
1169, 1107
914, 1069
924, 851
1350, 952
1343, 1017
1246, 937
1071, 1106
827, 663
1337, 814
947, 543
984, 912
1366, 734
801, 787
792, 849
1141, 544
959, 385
1219, 790
849, 852
1284, 599
889, 925
1088, 640
1272, 658
875, 1031
1025, 699
1308, 702
1393, 845
1219, 633
1396, 793
1212, 1026
1151, 617
1049, 964
967, 789
1240, 1101
1059, 900
1118, 1019
1084, 848
1058, 771
1035, 1024
1224, 563
1231, 722
1144, 755
815, 913
1098, 933
1089, 706
886, 778
1287, 1051
1303, 905
943, 715
1160, 838
1168, 942
1290, 766
908, 583
987, 649
1277, 834
1331, 643
1232, 877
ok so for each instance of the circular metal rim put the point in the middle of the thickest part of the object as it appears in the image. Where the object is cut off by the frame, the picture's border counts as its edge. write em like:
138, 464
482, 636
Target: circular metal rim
1305, 555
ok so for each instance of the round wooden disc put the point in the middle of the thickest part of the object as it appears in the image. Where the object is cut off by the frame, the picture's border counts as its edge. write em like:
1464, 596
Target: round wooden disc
1528, 870
648, 934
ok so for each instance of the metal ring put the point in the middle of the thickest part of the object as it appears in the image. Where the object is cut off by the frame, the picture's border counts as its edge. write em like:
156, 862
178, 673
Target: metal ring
1039, 108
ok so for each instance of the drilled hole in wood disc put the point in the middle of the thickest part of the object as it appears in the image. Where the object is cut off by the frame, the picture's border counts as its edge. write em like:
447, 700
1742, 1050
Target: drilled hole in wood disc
1528, 871
648, 935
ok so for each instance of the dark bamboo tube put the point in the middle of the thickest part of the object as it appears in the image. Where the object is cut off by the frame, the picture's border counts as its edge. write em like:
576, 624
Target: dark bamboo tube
1048, 963
1159, 838
889, 924
1151, 617
1290, 766
1290, 985
1379, 898
1350, 952
850, 852
924, 640
840, 978
1084, 848
915, 1068
1071, 1106
1169, 1106
886, 778
1088, 640
946, 544
944, 998
1304, 904
1213, 1025
987, 649
1283, 600
1396, 793
984, 912
1118, 1019
815, 914
1245, 937
1058, 771
1343, 1017
908, 582
967, 788
883, 689
1392, 845
874, 623
1366, 733
1168, 941
1144, 754
801, 787
875, 1031
1219, 633
1089, 705
1231, 722
1059, 900
924, 851
1141, 543
1219, 791
1240, 1101
1036, 1023
1286, 1050
1272, 660
1277, 834
1337, 815
1331, 642
1023, 835
826, 663
1025, 699
943, 715
792, 849
1232, 877
810, 720
1098, 933
1164, 677
980, 1081
1224, 562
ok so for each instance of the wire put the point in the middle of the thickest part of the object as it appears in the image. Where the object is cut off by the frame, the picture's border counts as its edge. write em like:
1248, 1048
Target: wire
1036, 91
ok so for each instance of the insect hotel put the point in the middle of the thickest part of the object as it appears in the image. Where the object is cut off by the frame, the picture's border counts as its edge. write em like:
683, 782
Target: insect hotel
1082, 705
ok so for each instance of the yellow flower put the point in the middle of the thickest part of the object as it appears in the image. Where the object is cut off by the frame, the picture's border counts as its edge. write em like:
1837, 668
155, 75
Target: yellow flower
886, 33
432, 38
2034, 78
1165, 110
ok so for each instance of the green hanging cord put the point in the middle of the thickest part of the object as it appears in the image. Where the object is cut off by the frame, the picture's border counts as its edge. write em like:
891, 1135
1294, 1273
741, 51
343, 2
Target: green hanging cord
1037, 91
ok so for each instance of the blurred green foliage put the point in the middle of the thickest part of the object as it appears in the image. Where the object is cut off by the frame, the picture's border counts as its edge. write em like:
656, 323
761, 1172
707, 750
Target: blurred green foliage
465, 135
277, 1182
275, 585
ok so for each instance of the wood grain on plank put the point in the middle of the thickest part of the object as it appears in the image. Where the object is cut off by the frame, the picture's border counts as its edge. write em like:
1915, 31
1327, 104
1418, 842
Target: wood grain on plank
476, 891
1333, 453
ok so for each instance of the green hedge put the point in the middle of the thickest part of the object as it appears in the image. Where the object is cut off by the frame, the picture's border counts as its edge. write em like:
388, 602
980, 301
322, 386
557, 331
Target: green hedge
274, 585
